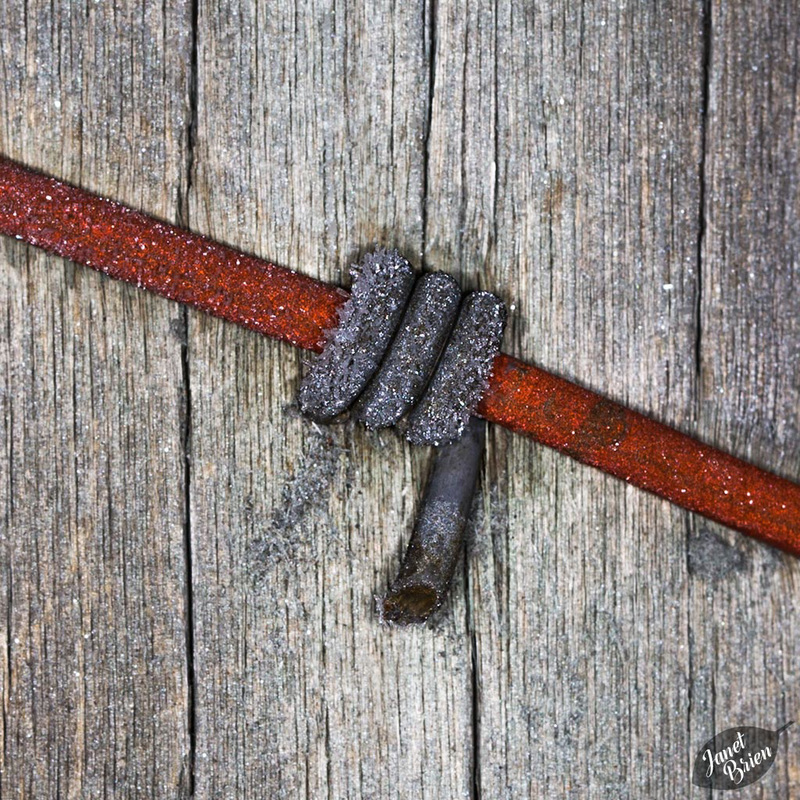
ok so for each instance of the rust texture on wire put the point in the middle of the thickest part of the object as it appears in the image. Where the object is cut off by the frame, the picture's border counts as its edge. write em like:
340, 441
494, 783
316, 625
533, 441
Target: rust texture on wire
167, 260
278, 302
643, 452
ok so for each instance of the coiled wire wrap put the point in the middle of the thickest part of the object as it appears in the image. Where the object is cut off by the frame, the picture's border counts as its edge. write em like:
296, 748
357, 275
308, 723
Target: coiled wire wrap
436, 366
387, 351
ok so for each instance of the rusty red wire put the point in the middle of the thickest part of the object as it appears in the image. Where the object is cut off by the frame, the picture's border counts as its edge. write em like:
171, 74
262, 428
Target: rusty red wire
278, 302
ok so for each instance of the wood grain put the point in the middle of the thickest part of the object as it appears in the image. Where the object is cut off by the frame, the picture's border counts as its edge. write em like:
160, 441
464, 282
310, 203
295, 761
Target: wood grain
579, 595
94, 664
188, 567
296, 528
745, 635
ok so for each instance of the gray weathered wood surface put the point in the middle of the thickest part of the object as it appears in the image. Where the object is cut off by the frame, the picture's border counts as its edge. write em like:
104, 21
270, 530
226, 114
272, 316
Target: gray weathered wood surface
187, 567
